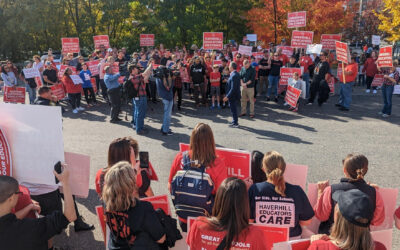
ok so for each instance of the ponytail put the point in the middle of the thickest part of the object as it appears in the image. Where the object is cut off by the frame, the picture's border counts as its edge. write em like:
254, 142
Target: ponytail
274, 166
276, 177
356, 166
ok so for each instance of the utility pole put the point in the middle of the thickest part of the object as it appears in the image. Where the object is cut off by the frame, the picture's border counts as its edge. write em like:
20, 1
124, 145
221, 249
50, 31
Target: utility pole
275, 7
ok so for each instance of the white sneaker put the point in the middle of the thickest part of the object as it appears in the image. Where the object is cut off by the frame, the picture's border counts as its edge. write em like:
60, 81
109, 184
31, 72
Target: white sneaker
368, 91
374, 91
81, 109
380, 113
285, 104
75, 111
385, 115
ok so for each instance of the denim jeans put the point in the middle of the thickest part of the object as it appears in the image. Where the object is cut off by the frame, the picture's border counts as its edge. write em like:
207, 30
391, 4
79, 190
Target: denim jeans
139, 112
387, 93
31, 93
167, 114
345, 94
232, 104
306, 79
273, 86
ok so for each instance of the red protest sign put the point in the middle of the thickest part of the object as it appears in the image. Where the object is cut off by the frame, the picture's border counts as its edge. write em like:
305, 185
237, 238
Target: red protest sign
102, 220
331, 84
385, 57
93, 67
378, 80
152, 173
342, 52
217, 62
146, 40
300, 39
287, 73
70, 45
38, 81
292, 96
5, 156
238, 162
328, 41
101, 40
94, 85
286, 50
273, 235
258, 55
213, 40
159, 201
14, 94
297, 19
245, 50
58, 90
63, 68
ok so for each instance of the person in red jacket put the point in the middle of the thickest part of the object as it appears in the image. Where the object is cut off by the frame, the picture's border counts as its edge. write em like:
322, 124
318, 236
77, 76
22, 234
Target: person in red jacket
73, 91
370, 69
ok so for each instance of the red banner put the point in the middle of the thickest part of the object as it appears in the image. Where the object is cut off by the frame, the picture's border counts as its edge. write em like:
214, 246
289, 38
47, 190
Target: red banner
213, 40
258, 55
300, 39
5, 156
62, 70
274, 234
342, 52
102, 221
328, 41
159, 201
245, 50
297, 19
101, 40
152, 173
287, 73
70, 45
217, 62
286, 50
238, 162
378, 80
58, 90
292, 96
93, 67
14, 94
385, 57
94, 85
39, 81
146, 40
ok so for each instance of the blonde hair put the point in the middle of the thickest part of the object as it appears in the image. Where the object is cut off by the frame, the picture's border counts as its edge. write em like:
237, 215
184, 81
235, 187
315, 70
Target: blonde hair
349, 236
119, 187
274, 166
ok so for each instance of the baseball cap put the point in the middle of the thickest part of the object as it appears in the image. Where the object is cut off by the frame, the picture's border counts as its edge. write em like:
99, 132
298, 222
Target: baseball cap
355, 206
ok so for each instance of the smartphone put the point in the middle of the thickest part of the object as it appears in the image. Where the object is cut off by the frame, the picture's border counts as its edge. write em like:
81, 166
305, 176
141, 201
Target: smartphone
144, 159
57, 168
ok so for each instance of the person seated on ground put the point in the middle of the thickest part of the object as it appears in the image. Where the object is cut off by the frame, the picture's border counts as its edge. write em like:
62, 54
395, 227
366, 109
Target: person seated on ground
200, 158
31, 233
257, 174
352, 217
125, 149
229, 222
355, 167
275, 192
133, 223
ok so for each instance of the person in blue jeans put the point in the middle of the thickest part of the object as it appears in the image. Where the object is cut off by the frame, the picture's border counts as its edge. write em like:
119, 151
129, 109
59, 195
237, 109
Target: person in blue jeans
233, 93
275, 66
346, 84
165, 91
390, 78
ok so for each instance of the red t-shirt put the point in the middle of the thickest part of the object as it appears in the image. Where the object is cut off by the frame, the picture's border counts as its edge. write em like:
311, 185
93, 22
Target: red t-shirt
239, 64
24, 200
209, 68
305, 62
201, 237
215, 78
328, 245
283, 58
354, 69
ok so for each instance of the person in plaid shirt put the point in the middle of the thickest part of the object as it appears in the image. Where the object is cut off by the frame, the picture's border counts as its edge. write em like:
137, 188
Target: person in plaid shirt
390, 78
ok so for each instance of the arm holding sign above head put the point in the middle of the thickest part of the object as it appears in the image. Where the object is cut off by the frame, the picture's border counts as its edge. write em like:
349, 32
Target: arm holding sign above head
69, 208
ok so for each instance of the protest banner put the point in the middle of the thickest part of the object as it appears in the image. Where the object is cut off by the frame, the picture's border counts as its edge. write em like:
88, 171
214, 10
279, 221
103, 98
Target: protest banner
342, 52
93, 67
14, 94
217, 62
297, 19
273, 235
101, 40
79, 173
314, 49
378, 80
102, 220
159, 201
213, 40
252, 37
39, 82
328, 41
292, 245
58, 90
292, 96
76, 79
286, 50
389, 197
287, 73
70, 45
384, 236
238, 162
31, 73
300, 39
245, 50
258, 55
376, 40
94, 85
385, 57
33, 160
147, 40
63, 68
5, 156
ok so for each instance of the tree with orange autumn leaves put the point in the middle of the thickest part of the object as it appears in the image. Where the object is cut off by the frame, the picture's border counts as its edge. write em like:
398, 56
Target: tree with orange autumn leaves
323, 17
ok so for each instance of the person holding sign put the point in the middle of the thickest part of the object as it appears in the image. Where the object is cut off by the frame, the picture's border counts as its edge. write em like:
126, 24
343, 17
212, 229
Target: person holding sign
320, 70
346, 84
73, 91
114, 93
247, 80
275, 65
30, 84
390, 78
86, 75
278, 203
229, 224
8, 76
370, 69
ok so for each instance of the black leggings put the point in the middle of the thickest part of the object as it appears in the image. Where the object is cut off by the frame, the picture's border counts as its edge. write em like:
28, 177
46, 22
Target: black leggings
75, 100
369, 82
92, 97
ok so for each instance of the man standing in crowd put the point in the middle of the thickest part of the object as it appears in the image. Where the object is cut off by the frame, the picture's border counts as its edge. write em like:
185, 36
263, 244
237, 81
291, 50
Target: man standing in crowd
321, 68
346, 84
114, 94
233, 93
263, 73
198, 77
50, 75
305, 63
164, 89
247, 78
46, 97
166, 57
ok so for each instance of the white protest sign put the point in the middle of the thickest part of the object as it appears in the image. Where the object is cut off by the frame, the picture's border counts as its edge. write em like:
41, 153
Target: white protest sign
314, 49
245, 50
76, 79
31, 73
396, 90
34, 134
252, 37
376, 40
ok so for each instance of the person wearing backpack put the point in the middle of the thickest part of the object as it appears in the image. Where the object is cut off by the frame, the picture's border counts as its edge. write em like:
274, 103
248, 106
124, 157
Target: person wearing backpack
199, 166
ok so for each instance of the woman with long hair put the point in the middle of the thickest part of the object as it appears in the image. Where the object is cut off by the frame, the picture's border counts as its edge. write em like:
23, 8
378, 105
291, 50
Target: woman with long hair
391, 77
125, 149
229, 222
133, 223
73, 91
278, 203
